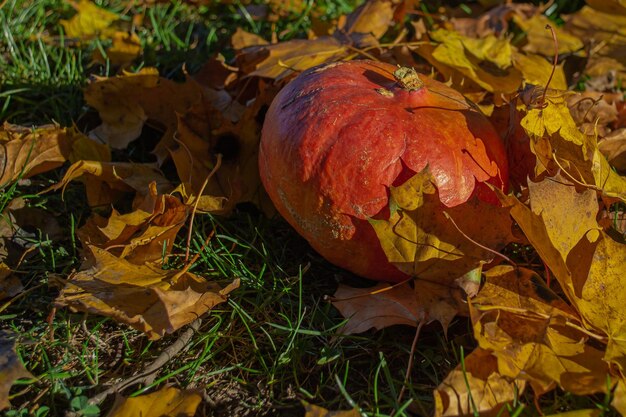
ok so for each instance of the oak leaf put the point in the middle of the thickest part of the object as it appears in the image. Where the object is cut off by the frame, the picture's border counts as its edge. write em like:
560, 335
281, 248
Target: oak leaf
146, 297
167, 401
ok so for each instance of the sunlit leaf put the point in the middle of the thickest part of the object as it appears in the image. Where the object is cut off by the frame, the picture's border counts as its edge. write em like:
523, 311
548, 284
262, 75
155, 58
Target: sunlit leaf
535, 335
106, 181
146, 297
313, 410
144, 235
89, 21
476, 386
167, 401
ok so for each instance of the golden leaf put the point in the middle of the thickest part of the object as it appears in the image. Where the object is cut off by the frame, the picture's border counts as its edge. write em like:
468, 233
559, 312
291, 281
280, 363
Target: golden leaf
150, 299
145, 235
536, 70
106, 181
487, 62
89, 22
535, 335
167, 401
242, 39
312, 410
540, 38
476, 386
125, 48
125, 103
26, 152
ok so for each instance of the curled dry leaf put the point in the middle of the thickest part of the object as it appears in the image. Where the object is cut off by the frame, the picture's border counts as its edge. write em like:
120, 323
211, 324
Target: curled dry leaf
167, 401
360, 28
144, 235
476, 386
105, 182
604, 33
25, 152
125, 103
11, 368
146, 297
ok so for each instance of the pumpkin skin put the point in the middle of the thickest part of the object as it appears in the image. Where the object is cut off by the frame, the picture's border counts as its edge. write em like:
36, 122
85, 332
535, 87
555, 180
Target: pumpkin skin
339, 135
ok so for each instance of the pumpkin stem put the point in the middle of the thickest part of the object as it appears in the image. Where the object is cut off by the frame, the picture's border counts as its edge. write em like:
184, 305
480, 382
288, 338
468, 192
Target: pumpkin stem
408, 78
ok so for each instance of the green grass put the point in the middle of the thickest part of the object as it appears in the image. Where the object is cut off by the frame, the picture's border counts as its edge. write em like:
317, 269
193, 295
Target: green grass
276, 341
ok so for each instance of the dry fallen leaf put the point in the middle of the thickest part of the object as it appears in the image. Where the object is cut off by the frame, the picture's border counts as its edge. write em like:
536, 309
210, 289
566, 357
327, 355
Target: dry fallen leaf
25, 152
10, 284
105, 182
535, 335
312, 410
423, 239
89, 21
125, 103
145, 235
11, 368
604, 32
167, 401
488, 61
377, 307
148, 298
476, 386
539, 37
126, 46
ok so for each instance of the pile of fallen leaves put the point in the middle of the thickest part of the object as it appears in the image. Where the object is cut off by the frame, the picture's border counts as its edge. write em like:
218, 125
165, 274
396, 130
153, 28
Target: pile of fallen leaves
564, 329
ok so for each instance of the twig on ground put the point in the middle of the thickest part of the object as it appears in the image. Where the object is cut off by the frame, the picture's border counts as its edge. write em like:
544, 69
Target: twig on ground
148, 374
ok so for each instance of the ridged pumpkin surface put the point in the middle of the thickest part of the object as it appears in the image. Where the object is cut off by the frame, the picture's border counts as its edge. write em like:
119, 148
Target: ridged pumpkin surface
338, 136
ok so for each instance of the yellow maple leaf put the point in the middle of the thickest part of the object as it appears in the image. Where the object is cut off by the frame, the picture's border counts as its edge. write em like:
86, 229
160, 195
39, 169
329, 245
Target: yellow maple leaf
89, 21
487, 62
476, 386
167, 401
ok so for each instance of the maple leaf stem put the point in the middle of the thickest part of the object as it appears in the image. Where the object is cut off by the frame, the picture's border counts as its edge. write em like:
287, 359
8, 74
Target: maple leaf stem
218, 163
390, 287
544, 316
571, 177
420, 324
554, 62
506, 258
